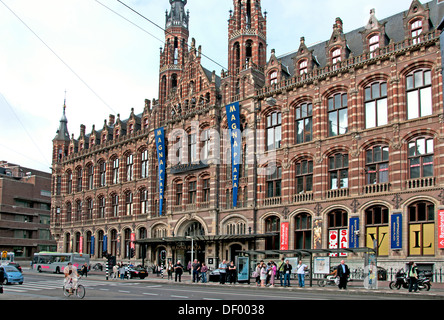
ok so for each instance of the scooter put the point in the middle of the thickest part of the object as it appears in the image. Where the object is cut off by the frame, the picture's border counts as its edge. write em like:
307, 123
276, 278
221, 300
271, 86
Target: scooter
403, 282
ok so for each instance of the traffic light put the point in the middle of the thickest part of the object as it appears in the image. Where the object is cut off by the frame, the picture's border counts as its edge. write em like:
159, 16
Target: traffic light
4, 254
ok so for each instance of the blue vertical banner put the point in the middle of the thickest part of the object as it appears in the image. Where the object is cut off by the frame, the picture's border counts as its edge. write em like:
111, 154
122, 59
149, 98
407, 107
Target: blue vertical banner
93, 243
234, 130
161, 157
105, 244
396, 234
353, 233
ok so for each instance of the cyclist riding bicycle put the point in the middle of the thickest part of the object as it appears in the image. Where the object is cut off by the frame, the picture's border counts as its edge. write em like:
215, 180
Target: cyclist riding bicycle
71, 277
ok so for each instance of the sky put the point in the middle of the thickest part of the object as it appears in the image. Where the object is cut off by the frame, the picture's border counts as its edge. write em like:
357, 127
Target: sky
103, 58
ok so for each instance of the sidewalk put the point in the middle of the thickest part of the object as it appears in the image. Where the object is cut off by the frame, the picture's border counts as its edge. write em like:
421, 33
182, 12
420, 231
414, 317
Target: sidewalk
436, 292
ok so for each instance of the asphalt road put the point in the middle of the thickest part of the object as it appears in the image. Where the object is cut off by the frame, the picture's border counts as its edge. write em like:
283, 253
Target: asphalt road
41, 286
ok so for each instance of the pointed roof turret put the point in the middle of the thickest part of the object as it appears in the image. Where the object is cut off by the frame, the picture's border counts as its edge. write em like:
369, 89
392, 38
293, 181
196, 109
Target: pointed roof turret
62, 132
177, 16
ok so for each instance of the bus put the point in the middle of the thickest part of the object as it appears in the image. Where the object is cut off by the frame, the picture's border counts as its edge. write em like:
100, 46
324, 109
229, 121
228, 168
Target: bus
7, 257
55, 262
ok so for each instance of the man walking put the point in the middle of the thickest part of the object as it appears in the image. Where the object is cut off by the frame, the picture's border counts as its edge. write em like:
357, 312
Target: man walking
343, 274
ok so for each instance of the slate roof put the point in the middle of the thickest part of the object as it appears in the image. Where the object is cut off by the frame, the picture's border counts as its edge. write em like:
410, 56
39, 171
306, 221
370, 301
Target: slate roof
394, 29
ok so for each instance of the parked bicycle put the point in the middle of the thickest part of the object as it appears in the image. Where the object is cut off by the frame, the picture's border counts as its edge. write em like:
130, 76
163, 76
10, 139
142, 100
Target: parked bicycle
80, 292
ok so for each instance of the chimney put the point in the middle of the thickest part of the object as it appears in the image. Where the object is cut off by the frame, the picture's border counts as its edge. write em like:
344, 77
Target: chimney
111, 120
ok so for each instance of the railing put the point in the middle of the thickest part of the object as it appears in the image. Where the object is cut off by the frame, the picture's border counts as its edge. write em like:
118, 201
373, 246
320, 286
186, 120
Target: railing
420, 183
272, 201
377, 188
337, 193
303, 197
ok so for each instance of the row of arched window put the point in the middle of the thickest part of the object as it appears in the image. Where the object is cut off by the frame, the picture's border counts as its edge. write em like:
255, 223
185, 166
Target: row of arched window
420, 224
375, 109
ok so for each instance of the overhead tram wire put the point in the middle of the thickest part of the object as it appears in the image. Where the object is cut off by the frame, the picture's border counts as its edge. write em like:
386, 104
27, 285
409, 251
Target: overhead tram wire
139, 27
58, 57
139, 14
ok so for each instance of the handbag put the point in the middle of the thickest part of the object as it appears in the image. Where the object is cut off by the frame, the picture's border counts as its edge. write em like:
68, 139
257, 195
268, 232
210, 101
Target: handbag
255, 274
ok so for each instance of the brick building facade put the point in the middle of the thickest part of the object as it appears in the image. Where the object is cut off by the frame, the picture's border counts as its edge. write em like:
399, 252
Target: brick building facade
349, 129
25, 209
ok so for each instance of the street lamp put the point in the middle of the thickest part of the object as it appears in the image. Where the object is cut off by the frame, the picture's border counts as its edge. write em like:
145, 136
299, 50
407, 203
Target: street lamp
192, 248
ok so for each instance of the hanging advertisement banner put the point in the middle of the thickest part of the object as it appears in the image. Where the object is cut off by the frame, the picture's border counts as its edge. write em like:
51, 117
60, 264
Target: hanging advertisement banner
354, 233
93, 247
105, 243
285, 226
333, 241
441, 229
234, 129
161, 157
133, 239
396, 234
343, 241
81, 244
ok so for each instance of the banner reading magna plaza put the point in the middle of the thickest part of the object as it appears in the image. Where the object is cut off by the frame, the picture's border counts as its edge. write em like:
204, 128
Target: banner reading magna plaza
161, 157
233, 116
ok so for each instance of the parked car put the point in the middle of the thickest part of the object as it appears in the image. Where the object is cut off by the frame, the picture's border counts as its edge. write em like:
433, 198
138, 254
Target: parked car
12, 275
15, 264
136, 272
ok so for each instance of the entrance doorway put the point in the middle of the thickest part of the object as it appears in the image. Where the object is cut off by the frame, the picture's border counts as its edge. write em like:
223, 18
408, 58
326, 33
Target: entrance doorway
234, 251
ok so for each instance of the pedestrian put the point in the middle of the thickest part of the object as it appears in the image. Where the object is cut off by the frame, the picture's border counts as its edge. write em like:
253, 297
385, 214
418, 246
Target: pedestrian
263, 274
343, 274
2, 279
412, 275
301, 273
122, 272
257, 274
170, 270
232, 273
85, 270
203, 272
281, 272
189, 267
273, 271
222, 272
196, 270
287, 273
178, 270
115, 272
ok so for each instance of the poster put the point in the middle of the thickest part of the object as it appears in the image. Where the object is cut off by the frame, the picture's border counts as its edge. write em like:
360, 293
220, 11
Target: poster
396, 232
441, 229
161, 156
284, 235
234, 129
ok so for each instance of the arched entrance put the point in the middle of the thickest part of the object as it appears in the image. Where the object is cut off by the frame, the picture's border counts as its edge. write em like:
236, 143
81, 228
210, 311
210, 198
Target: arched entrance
193, 247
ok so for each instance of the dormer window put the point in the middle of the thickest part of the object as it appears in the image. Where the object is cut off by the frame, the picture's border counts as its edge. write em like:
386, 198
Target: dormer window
416, 30
373, 44
273, 77
131, 128
303, 67
104, 138
117, 133
336, 57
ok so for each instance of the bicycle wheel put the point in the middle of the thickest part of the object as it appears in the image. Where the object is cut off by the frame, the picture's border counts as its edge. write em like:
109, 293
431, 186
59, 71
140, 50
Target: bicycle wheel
322, 283
80, 292
65, 292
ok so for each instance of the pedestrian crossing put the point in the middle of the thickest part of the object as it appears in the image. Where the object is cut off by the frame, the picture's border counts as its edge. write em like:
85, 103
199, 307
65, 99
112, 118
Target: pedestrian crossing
35, 286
